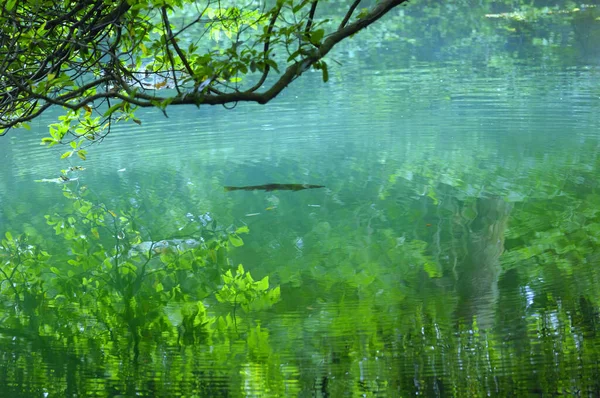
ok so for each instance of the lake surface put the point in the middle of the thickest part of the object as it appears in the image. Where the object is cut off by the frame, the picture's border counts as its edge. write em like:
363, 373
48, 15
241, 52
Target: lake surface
454, 251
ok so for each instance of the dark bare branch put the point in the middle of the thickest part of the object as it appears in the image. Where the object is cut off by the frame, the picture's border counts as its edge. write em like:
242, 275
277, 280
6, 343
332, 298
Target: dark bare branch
349, 14
311, 16
267, 69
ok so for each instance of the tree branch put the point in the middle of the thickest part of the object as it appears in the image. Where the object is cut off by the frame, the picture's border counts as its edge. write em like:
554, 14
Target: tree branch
349, 14
295, 70
311, 15
19, 102
266, 49
182, 56
167, 26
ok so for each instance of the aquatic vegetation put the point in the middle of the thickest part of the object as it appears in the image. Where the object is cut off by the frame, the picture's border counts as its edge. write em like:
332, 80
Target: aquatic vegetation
106, 284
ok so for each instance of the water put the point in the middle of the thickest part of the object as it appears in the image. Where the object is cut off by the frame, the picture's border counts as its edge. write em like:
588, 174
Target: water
453, 251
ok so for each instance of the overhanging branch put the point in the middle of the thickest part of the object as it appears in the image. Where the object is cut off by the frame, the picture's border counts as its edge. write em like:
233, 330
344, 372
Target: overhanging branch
21, 103
294, 70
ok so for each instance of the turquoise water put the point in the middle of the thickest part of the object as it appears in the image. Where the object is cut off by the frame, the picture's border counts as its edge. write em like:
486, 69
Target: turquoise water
452, 252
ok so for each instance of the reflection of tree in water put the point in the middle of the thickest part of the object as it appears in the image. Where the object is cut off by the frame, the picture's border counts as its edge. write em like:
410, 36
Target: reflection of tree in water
478, 273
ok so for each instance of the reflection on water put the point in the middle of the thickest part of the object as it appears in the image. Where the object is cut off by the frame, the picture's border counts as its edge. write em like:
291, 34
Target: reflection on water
454, 250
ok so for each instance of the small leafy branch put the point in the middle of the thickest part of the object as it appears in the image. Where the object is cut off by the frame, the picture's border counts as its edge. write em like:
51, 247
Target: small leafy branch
242, 290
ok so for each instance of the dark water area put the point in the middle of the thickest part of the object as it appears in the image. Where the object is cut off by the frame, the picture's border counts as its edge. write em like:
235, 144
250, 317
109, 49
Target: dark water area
454, 250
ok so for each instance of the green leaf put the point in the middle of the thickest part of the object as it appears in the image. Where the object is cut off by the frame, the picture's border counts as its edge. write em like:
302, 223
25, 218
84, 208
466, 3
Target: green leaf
432, 269
9, 236
113, 108
48, 140
67, 154
41, 30
290, 58
227, 277
263, 284
317, 36
272, 64
363, 13
325, 72
242, 230
10, 4
236, 240
431, 193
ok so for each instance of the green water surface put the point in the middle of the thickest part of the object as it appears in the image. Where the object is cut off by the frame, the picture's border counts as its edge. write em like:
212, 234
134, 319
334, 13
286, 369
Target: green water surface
454, 251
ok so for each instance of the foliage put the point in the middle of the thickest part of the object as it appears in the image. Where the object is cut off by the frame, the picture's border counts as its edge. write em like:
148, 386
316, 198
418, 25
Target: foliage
101, 60
243, 290
105, 282
429, 266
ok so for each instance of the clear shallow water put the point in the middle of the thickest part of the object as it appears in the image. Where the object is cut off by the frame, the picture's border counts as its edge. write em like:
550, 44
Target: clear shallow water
452, 252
